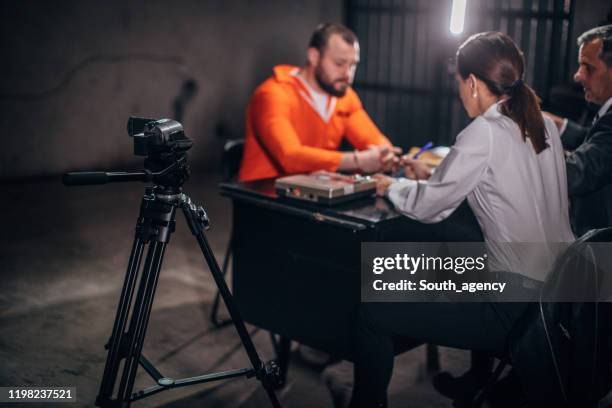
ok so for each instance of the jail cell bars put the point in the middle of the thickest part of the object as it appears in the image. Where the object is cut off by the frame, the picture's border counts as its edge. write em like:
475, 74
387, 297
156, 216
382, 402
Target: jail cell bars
406, 75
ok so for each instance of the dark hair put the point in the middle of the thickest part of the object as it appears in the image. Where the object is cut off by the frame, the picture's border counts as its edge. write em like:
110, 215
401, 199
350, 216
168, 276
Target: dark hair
321, 35
605, 34
495, 59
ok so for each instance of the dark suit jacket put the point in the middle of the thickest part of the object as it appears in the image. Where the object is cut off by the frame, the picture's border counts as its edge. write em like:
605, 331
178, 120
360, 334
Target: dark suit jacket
589, 173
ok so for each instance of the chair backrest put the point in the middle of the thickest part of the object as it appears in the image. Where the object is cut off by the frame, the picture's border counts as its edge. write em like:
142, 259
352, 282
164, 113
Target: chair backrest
232, 156
598, 235
559, 349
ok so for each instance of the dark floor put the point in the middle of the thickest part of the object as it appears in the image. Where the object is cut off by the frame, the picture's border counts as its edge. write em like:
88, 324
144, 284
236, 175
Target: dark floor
63, 253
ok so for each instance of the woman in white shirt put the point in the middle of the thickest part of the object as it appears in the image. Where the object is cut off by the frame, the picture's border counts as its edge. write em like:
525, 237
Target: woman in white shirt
509, 165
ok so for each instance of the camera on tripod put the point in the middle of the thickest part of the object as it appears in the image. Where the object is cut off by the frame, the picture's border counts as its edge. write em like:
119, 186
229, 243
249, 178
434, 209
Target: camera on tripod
164, 145
156, 136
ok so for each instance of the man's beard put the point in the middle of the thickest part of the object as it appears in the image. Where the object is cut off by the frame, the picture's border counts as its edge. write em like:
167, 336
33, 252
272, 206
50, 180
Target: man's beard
327, 86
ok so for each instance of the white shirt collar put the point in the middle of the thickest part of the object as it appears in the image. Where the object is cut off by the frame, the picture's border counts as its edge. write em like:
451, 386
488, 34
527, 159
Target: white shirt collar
318, 101
492, 110
604, 108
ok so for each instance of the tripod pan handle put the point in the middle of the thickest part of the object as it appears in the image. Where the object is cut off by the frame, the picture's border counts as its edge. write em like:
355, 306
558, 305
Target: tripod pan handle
84, 178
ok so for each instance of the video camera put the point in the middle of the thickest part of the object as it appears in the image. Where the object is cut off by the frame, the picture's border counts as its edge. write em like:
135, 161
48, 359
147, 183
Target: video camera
164, 145
156, 136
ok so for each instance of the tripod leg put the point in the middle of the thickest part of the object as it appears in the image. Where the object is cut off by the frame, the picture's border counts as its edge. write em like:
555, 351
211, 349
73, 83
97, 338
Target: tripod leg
197, 228
283, 355
214, 312
140, 317
114, 347
235, 316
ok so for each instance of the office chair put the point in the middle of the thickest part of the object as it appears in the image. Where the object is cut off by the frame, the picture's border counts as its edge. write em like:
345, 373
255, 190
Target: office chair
230, 164
566, 340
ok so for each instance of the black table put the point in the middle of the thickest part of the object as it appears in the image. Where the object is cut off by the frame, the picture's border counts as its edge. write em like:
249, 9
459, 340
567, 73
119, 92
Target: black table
296, 264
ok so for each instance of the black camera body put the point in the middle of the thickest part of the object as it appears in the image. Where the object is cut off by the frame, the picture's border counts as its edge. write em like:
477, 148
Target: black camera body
164, 145
157, 136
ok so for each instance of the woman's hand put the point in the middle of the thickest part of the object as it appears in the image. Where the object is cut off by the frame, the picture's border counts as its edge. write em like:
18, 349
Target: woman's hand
382, 183
415, 169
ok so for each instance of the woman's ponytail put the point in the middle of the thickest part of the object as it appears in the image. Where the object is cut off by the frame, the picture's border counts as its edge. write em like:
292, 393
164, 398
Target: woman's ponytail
523, 107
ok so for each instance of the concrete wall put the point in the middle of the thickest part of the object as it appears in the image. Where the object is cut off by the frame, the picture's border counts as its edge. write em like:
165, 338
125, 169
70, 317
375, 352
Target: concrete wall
73, 71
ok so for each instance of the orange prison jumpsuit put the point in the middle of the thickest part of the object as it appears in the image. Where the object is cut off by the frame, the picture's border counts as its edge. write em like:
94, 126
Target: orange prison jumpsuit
286, 135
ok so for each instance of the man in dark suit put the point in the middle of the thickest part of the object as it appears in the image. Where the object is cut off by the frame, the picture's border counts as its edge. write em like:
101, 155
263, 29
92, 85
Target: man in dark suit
589, 160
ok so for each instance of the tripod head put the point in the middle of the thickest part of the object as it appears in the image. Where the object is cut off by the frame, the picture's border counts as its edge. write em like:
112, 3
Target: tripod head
164, 145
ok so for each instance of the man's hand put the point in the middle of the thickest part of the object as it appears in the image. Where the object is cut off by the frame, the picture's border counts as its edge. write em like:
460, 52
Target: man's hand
389, 158
377, 158
368, 161
382, 183
559, 121
415, 169
373, 159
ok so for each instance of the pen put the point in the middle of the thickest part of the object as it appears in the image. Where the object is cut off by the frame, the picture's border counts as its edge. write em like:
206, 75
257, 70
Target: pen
423, 149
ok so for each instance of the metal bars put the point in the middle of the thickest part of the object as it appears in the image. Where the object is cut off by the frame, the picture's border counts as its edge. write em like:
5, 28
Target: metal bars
406, 76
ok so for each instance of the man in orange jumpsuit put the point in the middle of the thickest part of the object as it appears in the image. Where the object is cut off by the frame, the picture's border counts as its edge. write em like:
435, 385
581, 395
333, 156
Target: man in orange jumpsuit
297, 118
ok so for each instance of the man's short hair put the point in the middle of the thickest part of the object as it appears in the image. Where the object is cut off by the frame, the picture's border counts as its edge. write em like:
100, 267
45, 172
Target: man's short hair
605, 34
324, 31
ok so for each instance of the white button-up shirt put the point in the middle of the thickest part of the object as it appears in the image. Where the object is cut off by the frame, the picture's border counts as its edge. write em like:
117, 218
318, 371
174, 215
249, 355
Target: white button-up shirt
517, 196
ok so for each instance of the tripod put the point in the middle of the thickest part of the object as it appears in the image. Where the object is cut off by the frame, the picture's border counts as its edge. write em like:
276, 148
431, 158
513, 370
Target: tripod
164, 144
154, 227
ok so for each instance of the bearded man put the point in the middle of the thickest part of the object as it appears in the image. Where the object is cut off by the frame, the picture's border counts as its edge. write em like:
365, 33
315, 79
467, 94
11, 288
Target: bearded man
297, 119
